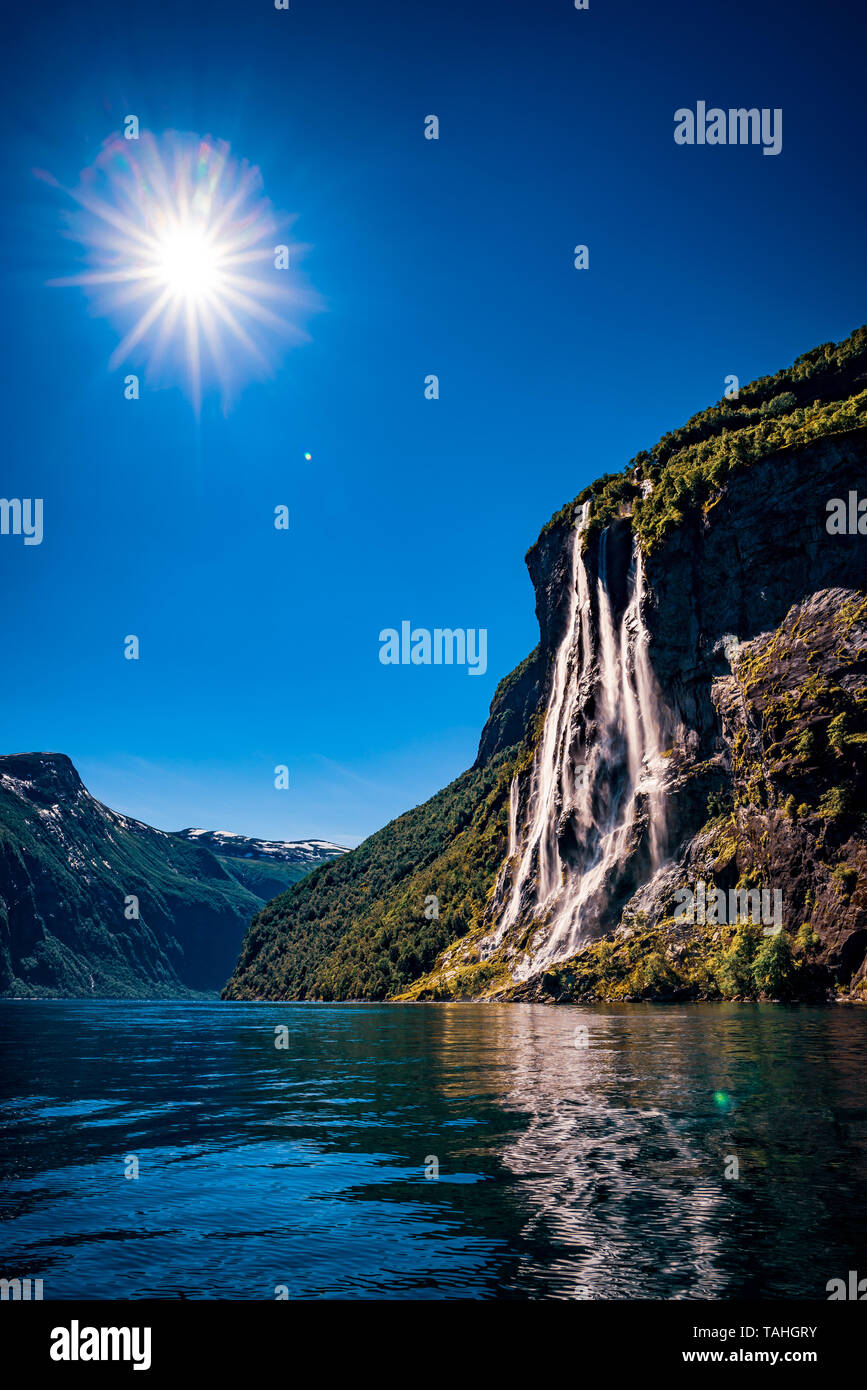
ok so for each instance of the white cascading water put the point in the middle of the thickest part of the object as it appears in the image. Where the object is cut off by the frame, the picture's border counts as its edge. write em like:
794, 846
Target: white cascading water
597, 765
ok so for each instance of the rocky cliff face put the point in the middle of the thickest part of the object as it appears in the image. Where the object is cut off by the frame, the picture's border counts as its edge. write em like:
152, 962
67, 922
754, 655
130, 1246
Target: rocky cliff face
95, 903
753, 621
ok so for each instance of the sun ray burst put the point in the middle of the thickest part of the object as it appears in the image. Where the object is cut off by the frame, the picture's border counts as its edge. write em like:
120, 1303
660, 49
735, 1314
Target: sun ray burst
180, 246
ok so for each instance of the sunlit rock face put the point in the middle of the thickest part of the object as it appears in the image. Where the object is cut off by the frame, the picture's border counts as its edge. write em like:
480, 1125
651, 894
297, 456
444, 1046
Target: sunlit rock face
651, 705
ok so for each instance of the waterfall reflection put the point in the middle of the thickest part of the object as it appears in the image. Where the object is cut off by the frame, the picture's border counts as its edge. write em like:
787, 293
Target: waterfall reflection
621, 1144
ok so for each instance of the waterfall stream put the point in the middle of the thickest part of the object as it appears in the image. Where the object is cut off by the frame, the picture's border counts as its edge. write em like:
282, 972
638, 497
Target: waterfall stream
594, 813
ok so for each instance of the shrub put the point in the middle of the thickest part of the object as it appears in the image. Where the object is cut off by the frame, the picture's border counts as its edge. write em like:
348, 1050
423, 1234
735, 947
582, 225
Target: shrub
732, 969
837, 731
845, 877
774, 967
719, 803
805, 744
835, 802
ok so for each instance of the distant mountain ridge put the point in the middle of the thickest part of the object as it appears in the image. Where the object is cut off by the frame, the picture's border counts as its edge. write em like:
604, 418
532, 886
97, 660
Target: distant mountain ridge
96, 903
307, 852
265, 867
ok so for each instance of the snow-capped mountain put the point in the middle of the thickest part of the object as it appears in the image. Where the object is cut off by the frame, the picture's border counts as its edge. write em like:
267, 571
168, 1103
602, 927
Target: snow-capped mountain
307, 853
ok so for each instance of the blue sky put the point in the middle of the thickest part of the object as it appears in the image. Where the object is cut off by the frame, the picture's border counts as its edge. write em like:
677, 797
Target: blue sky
451, 257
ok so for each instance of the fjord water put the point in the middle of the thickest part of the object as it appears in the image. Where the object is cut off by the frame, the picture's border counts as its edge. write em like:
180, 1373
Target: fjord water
571, 1165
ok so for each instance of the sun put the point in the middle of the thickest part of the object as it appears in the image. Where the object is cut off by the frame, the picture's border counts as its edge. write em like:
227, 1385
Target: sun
188, 264
185, 254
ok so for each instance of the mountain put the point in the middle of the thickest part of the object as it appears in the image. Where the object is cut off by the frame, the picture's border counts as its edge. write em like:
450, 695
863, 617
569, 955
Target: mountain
263, 866
70, 869
669, 795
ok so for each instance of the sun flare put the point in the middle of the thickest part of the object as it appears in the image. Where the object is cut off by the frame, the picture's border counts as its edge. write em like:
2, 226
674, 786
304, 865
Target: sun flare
182, 251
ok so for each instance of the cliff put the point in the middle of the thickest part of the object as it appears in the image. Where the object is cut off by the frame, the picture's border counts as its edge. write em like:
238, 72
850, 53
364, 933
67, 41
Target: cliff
690, 729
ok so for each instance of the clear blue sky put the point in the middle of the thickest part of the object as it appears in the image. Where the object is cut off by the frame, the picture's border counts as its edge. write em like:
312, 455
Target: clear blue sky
453, 257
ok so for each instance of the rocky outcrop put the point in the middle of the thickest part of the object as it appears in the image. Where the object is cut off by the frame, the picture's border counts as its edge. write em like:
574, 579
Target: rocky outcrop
737, 568
794, 717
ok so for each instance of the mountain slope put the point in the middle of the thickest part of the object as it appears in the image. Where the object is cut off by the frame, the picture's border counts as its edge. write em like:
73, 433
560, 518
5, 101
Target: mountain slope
363, 926
639, 750
69, 865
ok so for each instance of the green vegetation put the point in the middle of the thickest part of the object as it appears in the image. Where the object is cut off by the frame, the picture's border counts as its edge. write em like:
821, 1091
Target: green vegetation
712, 963
733, 968
719, 803
366, 925
815, 397
807, 746
262, 877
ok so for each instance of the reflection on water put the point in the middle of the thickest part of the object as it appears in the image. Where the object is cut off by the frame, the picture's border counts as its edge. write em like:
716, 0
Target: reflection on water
582, 1153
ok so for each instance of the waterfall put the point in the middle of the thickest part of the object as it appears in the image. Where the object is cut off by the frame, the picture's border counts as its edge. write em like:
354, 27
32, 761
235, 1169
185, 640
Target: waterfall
593, 825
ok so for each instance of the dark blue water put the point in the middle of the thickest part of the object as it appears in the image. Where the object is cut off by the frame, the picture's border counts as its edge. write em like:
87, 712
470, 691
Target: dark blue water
565, 1170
